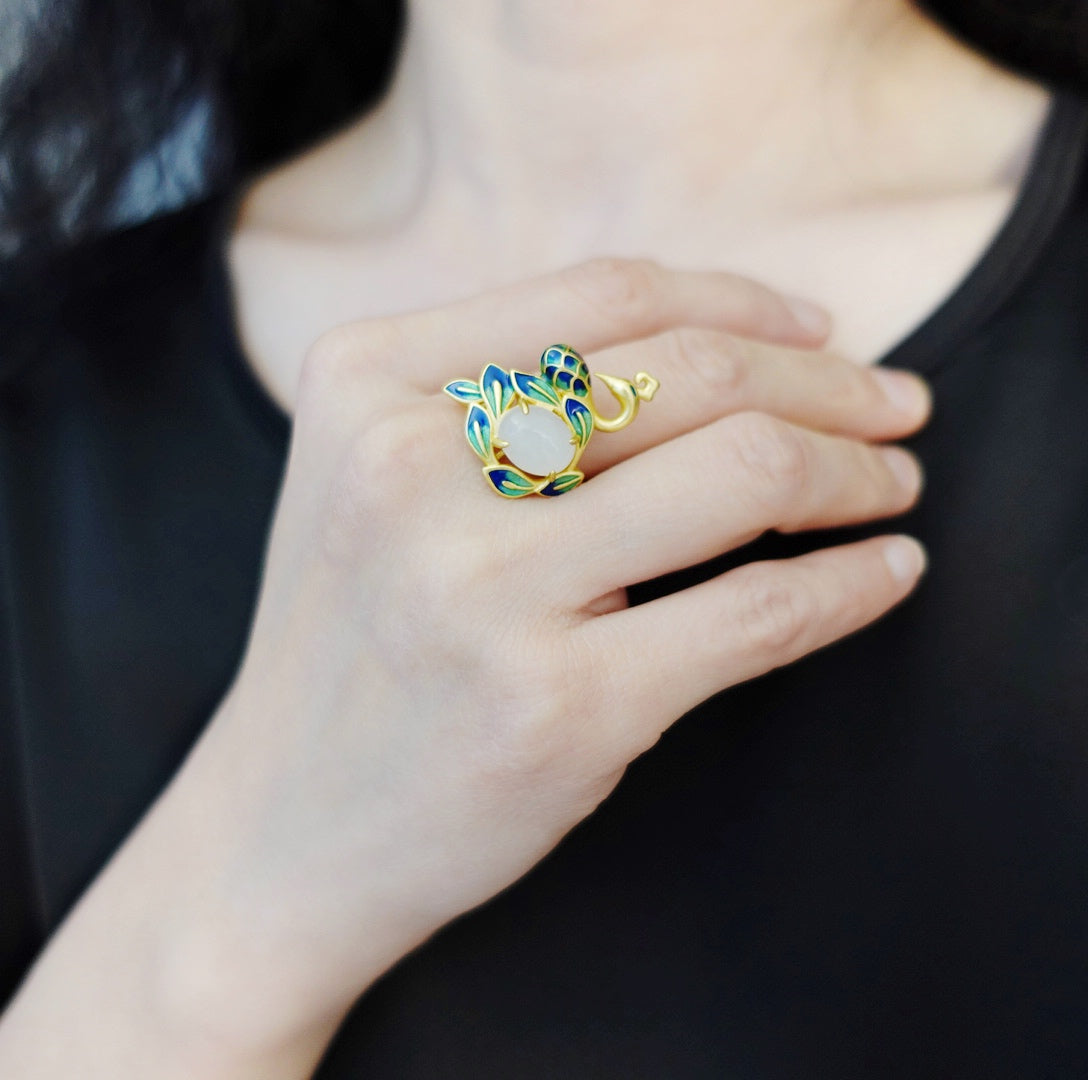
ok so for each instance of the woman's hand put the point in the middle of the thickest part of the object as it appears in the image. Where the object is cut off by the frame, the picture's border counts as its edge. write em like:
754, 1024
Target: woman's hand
439, 683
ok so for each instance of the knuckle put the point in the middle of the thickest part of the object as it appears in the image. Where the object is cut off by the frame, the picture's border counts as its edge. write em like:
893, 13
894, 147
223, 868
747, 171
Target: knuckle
852, 387
773, 615
715, 363
340, 355
324, 361
766, 312
625, 290
775, 455
384, 465
855, 390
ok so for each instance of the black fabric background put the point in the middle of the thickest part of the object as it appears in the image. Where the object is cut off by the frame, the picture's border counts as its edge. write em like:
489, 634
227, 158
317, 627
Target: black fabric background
871, 864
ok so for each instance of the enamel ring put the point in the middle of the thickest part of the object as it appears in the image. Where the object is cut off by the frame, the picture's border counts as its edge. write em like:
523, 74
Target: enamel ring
531, 430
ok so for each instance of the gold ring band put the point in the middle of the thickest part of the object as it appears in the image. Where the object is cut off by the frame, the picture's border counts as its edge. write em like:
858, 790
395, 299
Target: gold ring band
530, 431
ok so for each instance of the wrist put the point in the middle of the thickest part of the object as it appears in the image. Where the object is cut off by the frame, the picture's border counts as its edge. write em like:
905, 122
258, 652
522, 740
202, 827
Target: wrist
246, 953
224, 979
118, 995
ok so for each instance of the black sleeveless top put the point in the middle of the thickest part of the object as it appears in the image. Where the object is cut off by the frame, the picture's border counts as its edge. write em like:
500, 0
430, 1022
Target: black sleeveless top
871, 864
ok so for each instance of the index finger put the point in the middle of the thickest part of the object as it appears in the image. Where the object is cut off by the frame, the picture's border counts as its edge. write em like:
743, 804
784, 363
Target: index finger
595, 305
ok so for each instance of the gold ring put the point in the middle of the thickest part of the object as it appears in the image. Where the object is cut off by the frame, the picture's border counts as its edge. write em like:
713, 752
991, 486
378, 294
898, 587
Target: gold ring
531, 430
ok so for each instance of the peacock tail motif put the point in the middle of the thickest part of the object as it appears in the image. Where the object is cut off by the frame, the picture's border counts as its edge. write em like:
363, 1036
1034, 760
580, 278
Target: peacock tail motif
562, 386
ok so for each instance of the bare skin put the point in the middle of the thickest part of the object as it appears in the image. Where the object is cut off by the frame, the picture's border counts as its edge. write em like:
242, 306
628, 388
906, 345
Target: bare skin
381, 762
847, 152
384, 761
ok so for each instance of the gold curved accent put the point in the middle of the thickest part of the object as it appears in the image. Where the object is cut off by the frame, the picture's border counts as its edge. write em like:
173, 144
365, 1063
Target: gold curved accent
628, 394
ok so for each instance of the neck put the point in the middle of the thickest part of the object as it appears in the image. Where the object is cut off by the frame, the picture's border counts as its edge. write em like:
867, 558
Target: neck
615, 120
575, 97
611, 106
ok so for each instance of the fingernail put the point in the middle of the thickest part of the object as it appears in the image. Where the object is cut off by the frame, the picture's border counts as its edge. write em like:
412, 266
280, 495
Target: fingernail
905, 392
812, 318
906, 558
904, 465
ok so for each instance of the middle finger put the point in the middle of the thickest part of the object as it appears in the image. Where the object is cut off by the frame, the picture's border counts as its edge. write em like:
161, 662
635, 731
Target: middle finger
707, 374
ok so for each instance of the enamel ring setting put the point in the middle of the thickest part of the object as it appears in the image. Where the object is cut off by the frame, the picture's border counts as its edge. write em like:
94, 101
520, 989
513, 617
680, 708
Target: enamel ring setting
530, 431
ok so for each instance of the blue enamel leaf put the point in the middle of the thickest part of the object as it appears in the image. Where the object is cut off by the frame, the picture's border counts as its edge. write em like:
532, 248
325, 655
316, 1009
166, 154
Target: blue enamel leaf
580, 419
497, 389
564, 482
478, 430
510, 483
535, 388
463, 390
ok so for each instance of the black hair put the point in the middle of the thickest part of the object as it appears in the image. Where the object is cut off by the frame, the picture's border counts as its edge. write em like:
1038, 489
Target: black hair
114, 109
110, 109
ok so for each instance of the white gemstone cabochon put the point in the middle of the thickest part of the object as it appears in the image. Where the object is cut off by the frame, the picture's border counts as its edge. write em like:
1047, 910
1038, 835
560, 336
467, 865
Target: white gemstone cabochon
539, 441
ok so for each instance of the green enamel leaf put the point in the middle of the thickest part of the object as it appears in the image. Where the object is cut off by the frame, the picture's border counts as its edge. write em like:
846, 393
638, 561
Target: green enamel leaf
509, 482
463, 390
564, 482
497, 389
478, 430
534, 388
580, 419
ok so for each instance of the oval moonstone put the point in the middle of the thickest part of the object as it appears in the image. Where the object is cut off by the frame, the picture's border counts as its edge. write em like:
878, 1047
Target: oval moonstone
539, 442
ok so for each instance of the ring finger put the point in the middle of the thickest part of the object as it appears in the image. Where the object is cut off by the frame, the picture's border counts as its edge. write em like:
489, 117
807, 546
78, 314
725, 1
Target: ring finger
716, 488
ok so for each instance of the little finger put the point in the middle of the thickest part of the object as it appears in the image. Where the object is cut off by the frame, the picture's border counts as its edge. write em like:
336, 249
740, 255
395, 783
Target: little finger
685, 647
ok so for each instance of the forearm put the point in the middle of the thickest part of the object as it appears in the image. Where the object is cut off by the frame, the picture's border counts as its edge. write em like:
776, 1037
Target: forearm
143, 979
